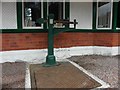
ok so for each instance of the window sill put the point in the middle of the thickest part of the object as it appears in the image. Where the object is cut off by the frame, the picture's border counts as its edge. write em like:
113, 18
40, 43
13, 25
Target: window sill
32, 27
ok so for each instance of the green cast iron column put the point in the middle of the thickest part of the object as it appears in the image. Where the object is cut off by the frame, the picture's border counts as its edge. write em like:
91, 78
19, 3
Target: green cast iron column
19, 15
115, 12
50, 59
45, 13
94, 15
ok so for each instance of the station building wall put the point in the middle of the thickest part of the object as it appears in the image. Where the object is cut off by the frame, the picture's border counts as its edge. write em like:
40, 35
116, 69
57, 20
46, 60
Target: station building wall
82, 12
8, 15
25, 41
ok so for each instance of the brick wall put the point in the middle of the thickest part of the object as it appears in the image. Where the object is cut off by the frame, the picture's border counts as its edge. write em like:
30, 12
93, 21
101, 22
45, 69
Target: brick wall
106, 39
25, 41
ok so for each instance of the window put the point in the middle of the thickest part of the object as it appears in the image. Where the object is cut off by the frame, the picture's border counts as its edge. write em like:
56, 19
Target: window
82, 12
104, 15
57, 8
118, 16
9, 15
32, 11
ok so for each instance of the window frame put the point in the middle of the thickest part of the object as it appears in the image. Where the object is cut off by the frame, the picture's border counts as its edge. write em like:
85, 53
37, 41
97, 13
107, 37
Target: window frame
110, 17
67, 15
64, 10
23, 26
118, 28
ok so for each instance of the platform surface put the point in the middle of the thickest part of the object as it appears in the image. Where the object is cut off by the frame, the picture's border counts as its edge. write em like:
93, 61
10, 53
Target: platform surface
65, 75
13, 75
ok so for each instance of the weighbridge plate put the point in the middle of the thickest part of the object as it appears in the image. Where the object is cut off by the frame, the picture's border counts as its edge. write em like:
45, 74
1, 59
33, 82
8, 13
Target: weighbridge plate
65, 75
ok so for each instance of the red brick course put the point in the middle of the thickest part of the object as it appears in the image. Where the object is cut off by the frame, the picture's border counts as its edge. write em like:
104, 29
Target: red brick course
25, 41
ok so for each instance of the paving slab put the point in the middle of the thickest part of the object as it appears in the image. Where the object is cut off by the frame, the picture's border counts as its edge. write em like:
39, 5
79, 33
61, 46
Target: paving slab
64, 75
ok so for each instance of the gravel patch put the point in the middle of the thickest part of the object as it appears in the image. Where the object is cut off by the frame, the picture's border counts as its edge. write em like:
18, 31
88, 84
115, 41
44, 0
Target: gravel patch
104, 67
13, 75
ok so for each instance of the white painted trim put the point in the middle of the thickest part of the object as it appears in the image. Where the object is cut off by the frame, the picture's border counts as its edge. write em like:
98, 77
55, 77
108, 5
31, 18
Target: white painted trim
115, 51
36, 28
27, 79
24, 55
106, 51
38, 55
118, 28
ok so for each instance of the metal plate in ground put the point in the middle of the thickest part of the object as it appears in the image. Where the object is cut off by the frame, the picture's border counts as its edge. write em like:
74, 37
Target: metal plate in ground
65, 75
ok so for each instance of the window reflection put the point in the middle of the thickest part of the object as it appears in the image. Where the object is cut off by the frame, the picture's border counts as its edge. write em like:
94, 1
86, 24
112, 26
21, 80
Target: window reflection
56, 8
32, 12
104, 14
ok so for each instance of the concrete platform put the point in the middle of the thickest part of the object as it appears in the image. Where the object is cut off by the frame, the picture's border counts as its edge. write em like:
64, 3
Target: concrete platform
65, 75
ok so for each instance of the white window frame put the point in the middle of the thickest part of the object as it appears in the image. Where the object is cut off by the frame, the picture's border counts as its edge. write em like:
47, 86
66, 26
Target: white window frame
110, 18
118, 28
24, 27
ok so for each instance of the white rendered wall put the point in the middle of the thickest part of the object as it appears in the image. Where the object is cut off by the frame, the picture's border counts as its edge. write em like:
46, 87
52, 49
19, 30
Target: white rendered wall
9, 15
82, 12
39, 55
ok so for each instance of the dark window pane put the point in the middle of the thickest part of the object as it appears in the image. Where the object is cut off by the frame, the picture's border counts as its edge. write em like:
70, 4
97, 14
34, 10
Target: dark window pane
56, 8
32, 12
118, 20
102, 3
104, 14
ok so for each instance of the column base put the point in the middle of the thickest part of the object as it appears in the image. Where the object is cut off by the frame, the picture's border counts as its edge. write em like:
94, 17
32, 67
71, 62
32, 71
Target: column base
50, 61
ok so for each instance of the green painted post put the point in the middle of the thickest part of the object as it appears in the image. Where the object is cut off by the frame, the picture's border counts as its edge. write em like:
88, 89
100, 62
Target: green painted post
67, 13
45, 13
50, 59
19, 15
94, 15
115, 12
